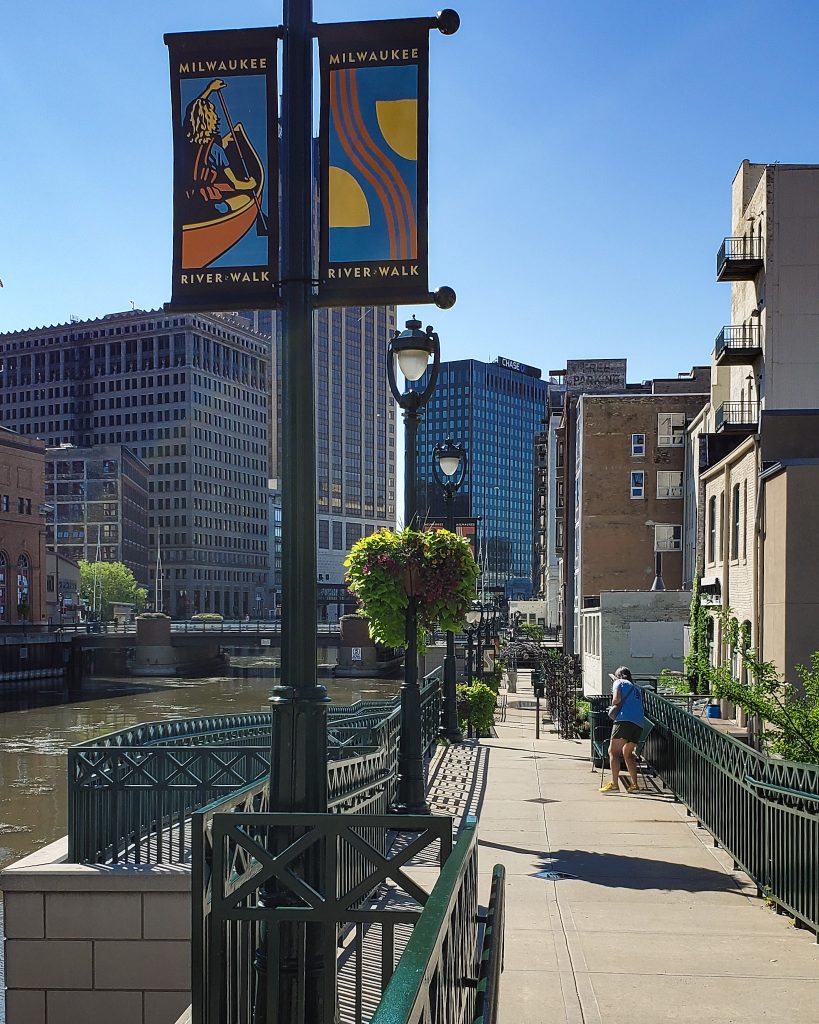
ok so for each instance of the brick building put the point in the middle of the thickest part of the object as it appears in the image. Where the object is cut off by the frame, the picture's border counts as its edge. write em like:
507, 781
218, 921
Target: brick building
22, 529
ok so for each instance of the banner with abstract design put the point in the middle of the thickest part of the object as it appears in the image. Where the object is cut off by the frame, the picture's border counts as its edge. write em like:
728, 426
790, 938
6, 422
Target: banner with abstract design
373, 155
225, 186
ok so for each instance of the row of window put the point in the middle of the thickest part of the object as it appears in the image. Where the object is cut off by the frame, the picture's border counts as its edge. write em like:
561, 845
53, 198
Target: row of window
670, 433
669, 483
739, 525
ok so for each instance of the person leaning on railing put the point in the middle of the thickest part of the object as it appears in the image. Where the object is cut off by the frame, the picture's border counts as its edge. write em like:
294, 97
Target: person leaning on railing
628, 726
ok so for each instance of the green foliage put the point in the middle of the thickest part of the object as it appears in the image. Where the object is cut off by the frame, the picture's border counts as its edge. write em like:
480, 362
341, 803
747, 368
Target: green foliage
791, 713
673, 682
532, 631
698, 666
493, 679
476, 708
582, 718
437, 566
206, 617
115, 583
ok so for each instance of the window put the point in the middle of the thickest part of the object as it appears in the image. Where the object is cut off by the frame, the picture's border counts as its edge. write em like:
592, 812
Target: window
638, 480
712, 529
668, 538
338, 542
735, 523
638, 444
745, 519
721, 534
671, 429
324, 534
669, 483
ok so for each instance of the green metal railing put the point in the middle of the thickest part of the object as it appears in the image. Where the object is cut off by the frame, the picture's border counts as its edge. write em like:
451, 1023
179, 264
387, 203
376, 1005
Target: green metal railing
763, 811
436, 978
131, 793
253, 893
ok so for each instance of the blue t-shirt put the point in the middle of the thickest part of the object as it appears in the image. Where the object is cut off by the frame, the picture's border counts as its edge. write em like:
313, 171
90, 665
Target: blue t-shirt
631, 702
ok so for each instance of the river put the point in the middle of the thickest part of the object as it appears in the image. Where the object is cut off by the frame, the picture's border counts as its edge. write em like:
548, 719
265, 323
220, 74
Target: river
35, 733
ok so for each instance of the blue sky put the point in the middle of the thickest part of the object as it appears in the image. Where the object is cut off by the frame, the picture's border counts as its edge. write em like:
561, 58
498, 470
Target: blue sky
582, 153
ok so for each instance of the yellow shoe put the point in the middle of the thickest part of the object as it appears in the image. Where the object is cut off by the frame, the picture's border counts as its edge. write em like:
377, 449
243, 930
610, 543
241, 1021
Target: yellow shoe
608, 787
632, 789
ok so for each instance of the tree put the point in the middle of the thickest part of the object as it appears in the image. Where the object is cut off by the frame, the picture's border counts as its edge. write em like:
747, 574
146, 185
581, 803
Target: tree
698, 661
790, 714
115, 583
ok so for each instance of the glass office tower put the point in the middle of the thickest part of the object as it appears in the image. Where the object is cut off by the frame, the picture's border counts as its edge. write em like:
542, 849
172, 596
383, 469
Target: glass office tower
495, 410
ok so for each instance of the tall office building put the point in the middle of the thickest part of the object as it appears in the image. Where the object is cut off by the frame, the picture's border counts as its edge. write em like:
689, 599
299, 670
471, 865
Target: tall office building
187, 393
355, 426
495, 410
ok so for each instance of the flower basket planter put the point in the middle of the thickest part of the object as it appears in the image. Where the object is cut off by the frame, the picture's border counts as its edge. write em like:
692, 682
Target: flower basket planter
436, 568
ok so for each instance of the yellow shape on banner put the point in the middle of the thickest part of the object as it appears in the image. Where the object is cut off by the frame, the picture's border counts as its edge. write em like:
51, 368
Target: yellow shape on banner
348, 204
398, 121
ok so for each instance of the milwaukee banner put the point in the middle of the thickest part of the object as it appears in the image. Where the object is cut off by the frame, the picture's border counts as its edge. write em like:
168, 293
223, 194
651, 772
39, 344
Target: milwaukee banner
225, 182
373, 162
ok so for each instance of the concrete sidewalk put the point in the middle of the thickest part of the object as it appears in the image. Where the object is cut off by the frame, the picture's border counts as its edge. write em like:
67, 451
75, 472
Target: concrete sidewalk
652, 924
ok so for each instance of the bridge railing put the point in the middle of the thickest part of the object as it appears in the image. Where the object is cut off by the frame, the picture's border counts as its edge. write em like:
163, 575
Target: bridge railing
762, 810
131, 793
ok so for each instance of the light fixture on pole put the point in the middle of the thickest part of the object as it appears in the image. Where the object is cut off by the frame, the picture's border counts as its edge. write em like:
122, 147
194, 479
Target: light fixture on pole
413, 349
475, 617
449, 470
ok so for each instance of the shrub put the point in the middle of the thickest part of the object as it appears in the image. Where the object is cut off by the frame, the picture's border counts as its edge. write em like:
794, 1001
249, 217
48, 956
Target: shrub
476, 708
582, 721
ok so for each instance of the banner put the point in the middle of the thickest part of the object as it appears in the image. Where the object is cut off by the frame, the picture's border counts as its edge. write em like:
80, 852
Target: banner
225, 180
373, 157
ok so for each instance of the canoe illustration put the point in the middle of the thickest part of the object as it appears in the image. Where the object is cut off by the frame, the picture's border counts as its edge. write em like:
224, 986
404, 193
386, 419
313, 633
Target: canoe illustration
207, 240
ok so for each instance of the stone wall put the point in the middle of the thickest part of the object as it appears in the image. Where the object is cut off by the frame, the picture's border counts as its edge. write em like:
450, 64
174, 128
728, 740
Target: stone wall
95, 942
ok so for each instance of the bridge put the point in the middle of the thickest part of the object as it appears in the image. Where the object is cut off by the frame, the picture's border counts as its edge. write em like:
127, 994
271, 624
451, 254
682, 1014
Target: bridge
184, 633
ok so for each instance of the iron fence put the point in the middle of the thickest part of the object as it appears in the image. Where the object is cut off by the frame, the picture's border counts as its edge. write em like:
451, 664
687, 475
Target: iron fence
562, 676
275, 895
131, 793
762, 810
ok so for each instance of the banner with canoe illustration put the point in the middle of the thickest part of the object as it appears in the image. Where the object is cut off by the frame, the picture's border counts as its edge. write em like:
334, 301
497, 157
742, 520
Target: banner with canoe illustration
373, 157
225, 184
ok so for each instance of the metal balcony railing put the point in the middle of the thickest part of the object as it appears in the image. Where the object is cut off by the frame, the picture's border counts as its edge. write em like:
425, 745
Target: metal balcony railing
736, 416
745, 339
739, 258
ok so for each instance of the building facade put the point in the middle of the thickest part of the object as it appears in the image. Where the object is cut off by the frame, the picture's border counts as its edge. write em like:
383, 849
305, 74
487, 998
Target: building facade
22, 529
100, 501
495, 410
355, 426
549, 505
754, 450
187, 394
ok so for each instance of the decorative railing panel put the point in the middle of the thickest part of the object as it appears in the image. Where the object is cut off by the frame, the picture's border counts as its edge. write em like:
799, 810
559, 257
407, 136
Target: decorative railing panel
279, 892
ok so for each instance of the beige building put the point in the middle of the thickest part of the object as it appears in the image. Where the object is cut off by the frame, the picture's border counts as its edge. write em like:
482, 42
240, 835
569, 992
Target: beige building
751, 482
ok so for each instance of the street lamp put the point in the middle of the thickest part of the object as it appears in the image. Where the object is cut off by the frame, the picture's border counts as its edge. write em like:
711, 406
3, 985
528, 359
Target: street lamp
475, 618
449, 470
412, 348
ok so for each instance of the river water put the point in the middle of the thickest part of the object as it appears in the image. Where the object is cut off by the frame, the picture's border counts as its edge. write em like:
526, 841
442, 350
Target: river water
35, 733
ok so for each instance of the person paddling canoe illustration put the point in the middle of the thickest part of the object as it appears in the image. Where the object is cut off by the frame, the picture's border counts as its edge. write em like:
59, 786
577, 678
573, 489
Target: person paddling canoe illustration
211, 180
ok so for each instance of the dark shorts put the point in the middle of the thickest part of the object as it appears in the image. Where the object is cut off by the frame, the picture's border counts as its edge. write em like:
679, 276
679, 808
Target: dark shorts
628, 731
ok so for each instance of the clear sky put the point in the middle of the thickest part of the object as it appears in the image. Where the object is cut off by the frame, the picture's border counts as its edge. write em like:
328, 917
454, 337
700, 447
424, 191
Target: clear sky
582, 153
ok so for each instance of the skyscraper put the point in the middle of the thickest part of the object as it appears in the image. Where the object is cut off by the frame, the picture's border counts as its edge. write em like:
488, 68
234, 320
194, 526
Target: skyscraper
495, 410
187, 393
355, 426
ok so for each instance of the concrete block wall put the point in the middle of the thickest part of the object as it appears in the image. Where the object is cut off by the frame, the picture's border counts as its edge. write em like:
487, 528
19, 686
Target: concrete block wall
94, 943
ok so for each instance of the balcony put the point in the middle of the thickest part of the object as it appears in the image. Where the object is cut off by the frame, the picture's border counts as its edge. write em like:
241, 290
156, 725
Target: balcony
737, 418
738, 346
739, 259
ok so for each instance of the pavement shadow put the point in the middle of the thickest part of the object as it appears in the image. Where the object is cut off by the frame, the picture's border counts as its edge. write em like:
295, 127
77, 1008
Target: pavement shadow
621, 872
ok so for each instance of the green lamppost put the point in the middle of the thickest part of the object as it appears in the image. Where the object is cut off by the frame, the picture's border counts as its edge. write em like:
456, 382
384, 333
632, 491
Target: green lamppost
413, 349
449, 469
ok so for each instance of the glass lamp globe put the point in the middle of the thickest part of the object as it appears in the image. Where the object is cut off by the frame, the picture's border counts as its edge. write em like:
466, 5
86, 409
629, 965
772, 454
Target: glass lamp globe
413, 362
449, 464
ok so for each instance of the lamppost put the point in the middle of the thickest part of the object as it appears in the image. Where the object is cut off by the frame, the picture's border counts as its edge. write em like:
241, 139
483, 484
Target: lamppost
475, 618
449, 469
413, 349
470, 649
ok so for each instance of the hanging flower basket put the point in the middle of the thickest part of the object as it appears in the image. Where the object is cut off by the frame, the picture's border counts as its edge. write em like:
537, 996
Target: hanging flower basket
436, 568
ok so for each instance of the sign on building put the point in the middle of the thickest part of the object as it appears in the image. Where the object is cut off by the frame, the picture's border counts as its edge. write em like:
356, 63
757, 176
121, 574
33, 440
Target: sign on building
595, 376
373, 160
224, 98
